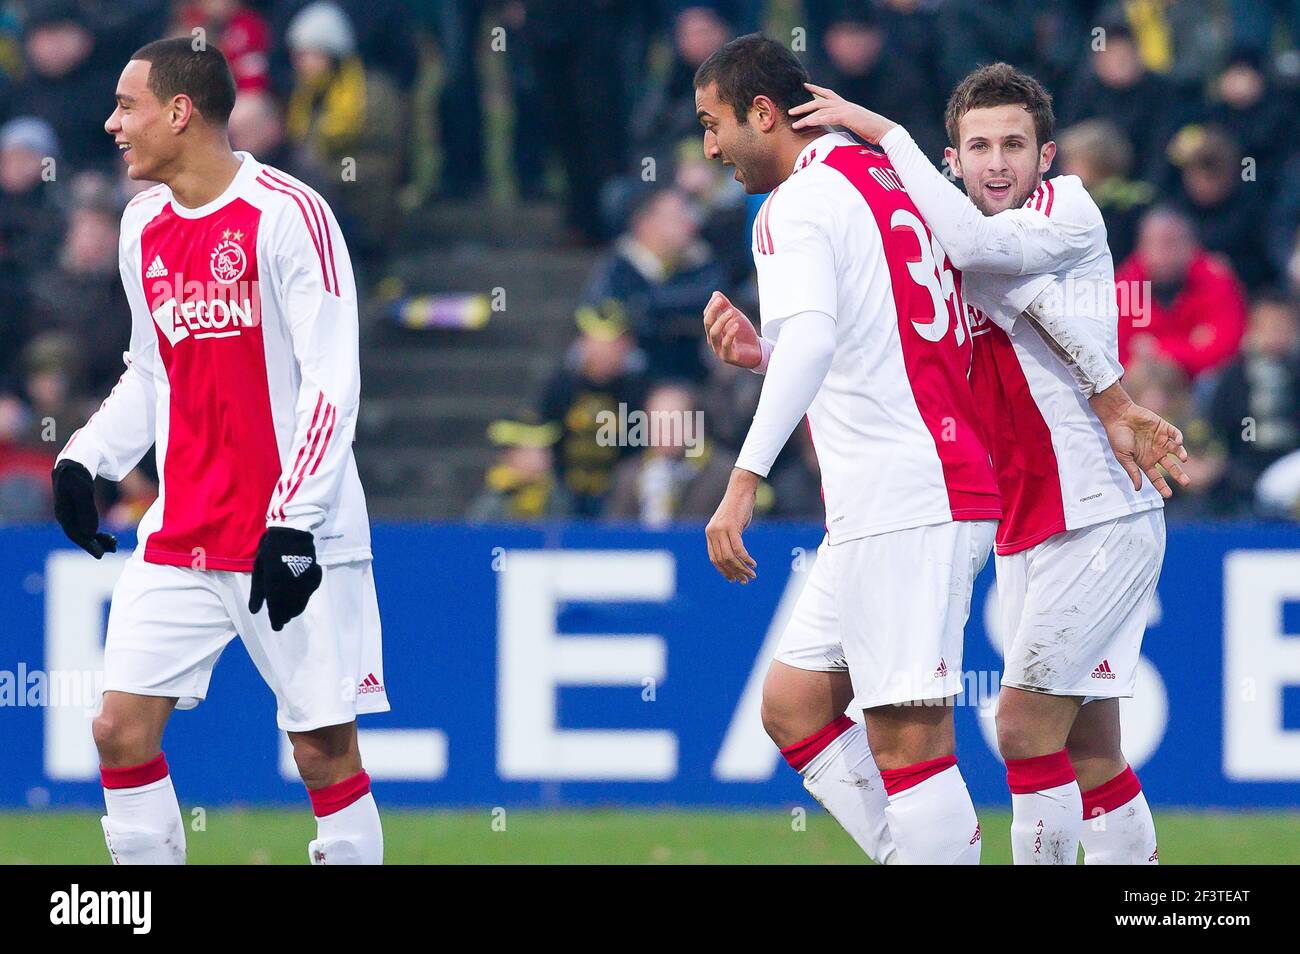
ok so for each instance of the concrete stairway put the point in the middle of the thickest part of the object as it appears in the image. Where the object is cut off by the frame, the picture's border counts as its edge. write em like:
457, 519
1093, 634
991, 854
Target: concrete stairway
428, 396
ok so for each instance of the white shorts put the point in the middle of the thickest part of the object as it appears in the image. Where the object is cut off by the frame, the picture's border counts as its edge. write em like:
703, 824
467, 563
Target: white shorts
167, 626
1074, 608
891, 610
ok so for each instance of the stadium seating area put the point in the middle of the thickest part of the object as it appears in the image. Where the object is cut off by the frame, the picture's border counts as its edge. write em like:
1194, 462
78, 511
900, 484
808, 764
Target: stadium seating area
535, 230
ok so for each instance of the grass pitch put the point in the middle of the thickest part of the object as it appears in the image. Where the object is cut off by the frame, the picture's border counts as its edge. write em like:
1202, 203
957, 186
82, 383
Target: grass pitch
625, 836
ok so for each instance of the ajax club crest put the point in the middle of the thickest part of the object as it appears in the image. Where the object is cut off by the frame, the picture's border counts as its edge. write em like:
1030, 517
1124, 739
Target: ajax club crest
228, 260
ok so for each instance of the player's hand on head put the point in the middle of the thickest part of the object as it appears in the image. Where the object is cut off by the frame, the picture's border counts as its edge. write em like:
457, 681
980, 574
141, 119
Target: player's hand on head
723, 533
1145, 443
74, 508
285, 574
829, 108
732, 336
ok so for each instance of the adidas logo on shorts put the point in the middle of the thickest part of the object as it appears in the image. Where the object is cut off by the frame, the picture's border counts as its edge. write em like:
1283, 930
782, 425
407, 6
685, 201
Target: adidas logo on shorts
941, 671
298, 565
1103, 671
370, 684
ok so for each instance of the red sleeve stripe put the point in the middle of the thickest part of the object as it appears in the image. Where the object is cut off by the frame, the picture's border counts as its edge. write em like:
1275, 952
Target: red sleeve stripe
318, 212
279, 487
762, 228
334, 416
1051, 195
329, 244
307, 218
331, 414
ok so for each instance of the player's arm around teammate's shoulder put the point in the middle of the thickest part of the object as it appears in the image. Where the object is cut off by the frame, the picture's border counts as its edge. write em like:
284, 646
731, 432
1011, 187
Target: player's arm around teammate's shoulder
313, 292
988, 227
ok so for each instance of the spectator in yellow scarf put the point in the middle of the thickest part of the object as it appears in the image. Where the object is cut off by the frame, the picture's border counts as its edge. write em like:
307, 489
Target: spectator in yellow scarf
346, 118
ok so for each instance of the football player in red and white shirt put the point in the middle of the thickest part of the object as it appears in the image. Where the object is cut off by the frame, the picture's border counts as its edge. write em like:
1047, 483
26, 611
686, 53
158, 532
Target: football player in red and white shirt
867, 337
243, 371
1082, 539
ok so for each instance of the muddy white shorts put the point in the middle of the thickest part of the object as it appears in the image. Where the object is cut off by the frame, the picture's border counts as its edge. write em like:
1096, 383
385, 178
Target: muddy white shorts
167, 626
1074, 608
891, 610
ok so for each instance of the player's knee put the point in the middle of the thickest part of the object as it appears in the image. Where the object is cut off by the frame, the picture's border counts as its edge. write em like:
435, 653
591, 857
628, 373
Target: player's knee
1012, 739
773, 723
323, 762
780, 719
121, 740
105, 732
1021, 738
314, 765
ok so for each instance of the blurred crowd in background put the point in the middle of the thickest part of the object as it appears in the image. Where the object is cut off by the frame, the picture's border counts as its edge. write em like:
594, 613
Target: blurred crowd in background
1177, 115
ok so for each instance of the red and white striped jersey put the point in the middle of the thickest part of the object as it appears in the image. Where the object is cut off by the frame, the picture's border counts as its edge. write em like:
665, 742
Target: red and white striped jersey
1055, 467
894, 423
243, 369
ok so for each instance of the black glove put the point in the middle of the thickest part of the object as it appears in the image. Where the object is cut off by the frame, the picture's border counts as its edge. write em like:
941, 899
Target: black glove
74, 508
285, 574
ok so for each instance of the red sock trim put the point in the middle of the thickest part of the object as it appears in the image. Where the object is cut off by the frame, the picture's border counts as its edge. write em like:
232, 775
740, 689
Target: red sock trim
1026, 776
336, 797
799, 754
133, 776
901, 779
1108, 796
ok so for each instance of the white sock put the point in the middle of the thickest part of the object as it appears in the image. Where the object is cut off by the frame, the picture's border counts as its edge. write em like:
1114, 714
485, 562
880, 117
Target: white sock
1046, 810
1117, 825
348, 831
930, 814
843, 777
143, 825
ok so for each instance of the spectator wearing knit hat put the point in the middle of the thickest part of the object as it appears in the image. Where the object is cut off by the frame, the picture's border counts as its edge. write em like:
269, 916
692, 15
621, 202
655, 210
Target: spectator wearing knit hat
31, 223
347, 118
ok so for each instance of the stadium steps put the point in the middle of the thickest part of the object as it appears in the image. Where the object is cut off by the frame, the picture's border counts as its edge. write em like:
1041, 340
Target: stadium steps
452, 222
459, 369
429, 395
422, 482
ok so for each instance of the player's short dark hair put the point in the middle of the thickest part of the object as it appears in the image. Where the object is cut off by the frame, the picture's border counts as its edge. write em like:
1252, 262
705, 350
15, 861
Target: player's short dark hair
203, 75
1000, 84
753, 65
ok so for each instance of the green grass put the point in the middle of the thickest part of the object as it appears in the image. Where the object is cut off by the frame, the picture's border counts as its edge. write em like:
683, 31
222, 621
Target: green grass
238, 836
